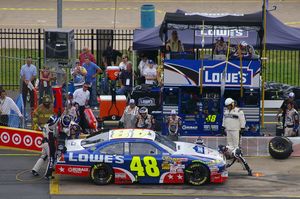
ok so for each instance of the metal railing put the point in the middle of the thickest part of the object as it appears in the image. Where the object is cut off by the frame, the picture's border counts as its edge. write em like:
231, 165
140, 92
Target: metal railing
16, 44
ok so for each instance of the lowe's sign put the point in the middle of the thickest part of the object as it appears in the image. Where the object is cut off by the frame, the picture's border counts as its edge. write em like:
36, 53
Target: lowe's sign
188, 73
213, 75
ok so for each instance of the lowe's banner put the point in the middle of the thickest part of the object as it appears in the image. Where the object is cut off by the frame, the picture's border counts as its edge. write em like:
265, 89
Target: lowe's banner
187, 73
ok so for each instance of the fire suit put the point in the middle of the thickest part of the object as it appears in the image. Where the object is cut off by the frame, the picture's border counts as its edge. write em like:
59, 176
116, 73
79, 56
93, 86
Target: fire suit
173, 126
146, 122
41, 115
48, 148
291, 122
43, 158
129, 116
233, 122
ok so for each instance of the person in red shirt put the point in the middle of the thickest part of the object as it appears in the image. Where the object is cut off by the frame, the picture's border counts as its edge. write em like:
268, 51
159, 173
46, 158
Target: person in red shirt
86, 53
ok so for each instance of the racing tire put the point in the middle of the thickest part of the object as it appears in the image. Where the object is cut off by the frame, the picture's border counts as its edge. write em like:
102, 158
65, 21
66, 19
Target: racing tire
102, 174
280, 147
197, 174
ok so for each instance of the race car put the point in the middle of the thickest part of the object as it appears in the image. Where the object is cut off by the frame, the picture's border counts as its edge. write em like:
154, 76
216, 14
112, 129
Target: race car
125, 156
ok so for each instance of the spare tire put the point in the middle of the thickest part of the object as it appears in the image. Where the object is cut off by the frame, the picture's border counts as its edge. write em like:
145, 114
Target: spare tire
280, 147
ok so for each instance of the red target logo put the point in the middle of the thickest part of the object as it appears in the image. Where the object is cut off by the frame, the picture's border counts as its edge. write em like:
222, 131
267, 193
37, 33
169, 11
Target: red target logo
38, 142
5, 138
16, 139
27, 140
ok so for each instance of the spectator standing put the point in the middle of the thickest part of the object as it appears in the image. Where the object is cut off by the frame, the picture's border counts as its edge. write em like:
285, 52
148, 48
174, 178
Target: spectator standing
92, 71
142, 66
125, 80
78, 73
6, 105
123, 63
45, 83
150, 74
130, 114
86, 53
28, 74
81, 97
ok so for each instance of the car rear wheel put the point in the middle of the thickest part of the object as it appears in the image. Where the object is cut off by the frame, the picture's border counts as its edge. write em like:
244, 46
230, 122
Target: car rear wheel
102, 174
197, 174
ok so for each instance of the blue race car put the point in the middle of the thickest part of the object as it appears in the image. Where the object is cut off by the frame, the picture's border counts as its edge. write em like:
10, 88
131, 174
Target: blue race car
126, 156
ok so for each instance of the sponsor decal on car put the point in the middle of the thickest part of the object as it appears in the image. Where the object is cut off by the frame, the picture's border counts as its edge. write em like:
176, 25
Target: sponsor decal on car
118, 159
73, 170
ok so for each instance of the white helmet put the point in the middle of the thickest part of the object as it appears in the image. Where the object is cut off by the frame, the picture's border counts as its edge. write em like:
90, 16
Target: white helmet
229, 101
291, 95
173, 112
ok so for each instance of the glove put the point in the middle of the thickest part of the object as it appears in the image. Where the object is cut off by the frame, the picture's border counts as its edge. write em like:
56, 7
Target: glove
242, 131
120, 124
223, 132
295, 129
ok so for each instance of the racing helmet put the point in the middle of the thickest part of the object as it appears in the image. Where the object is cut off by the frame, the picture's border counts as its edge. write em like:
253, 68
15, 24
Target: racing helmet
291, 95
229, 101
173, 112
52, 120
143, 110
66, 120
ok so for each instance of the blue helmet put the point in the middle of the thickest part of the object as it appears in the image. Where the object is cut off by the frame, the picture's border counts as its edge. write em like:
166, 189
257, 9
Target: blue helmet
52, 120
66, 120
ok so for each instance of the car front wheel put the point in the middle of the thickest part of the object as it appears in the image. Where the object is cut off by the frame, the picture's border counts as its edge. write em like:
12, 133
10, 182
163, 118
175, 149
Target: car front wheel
197, 174
102, 174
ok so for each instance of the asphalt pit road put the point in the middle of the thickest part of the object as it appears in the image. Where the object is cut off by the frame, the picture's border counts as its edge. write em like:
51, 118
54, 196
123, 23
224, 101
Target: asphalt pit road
26, 176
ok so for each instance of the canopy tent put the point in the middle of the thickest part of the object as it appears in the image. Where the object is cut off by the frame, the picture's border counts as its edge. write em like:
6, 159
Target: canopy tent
279, 35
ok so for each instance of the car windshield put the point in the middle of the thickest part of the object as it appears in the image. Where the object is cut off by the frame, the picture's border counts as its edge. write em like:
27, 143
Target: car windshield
165, 141
94, 139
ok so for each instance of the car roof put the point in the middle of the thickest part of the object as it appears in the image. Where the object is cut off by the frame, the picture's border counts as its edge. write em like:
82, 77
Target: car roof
131, 134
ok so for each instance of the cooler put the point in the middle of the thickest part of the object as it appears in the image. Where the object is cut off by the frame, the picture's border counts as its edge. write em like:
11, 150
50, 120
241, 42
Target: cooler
112, 72
109, 110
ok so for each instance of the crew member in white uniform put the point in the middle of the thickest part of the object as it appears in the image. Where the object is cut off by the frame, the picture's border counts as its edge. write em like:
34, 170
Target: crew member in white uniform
233, 123
291, 121
130, 114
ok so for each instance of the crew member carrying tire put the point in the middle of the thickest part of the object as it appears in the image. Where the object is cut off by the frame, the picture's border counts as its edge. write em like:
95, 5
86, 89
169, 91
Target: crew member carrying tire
233, 126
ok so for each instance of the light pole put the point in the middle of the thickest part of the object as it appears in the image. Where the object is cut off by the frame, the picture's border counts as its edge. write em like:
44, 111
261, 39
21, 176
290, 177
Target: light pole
59, 13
